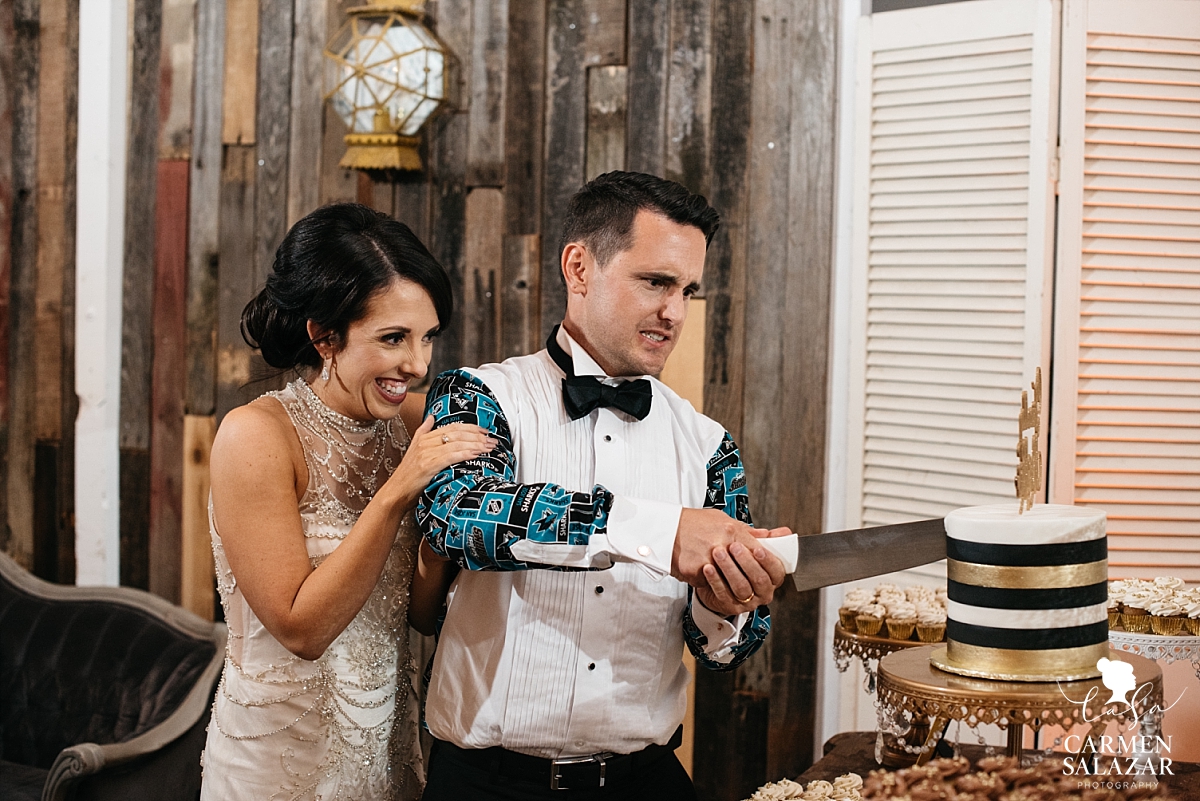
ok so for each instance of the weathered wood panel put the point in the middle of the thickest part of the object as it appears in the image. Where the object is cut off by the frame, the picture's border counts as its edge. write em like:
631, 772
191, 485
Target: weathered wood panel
604, 32
7, 36
649, 45
272, 130
307, 117
725, 271
22, 313
204, 203
240, 70
803, 365
137, 295
51, 169
338, 184
141, 173
69, 400
524, 118
519, 332
689, 91
606, 100
566, 122
410, 203
176, 78
237, 278
53, 54
485, 135
717, 698
447, 224
483, 260
197, 576
169, 378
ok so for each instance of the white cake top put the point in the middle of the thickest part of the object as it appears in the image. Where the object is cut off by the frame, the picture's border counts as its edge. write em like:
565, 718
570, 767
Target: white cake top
1044, 524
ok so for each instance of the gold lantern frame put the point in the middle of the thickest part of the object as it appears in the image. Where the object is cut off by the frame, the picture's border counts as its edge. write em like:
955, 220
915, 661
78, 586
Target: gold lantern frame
389, 142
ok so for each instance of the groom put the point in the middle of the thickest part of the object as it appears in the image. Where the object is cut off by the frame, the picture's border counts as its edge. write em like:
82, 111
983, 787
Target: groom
610, 526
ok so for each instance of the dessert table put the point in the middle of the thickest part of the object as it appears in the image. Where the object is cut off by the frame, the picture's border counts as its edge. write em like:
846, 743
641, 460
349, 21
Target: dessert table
854, 752
912, 691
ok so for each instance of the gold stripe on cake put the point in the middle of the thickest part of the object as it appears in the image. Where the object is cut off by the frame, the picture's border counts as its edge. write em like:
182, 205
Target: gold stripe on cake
1010, 664
1027, 578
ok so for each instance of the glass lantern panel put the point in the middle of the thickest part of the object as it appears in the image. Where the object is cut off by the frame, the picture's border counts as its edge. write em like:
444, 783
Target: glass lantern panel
401, 106
414, 122
435, 87
402, 39
412, 74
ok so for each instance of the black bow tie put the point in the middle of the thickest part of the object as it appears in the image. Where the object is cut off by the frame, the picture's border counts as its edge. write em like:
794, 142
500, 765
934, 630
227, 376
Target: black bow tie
583, 393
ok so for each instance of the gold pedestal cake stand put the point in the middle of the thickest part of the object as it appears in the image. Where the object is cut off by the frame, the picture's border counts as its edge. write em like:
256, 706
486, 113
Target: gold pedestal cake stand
910, 688
848, 645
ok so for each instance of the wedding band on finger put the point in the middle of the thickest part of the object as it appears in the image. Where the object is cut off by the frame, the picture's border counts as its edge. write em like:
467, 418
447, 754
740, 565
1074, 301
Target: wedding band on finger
745, 600
445, 438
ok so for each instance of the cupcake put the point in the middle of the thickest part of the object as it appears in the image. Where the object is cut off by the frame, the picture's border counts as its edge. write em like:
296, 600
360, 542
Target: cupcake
870, 619
1166, 616
855, 600
1192, 610
1168, 582
1114, 611
901, 620
931, 625
847, 787
1134, 616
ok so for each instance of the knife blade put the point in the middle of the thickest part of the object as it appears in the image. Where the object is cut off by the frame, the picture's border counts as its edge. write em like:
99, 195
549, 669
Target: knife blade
836, 557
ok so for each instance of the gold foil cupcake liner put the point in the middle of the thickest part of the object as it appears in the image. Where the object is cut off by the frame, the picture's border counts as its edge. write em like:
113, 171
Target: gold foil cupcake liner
1167, 626
868, 625
846, 617
1193, 625
932, 633
901, 629
1137, 624
1114, 618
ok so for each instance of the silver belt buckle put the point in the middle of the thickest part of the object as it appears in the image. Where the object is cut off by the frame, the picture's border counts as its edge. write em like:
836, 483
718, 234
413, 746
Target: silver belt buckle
556, 777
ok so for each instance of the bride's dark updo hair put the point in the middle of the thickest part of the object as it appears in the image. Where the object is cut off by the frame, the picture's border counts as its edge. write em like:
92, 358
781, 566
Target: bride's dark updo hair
326, 269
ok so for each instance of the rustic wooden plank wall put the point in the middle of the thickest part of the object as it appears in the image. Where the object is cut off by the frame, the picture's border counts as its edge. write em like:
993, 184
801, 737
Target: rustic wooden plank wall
230, 143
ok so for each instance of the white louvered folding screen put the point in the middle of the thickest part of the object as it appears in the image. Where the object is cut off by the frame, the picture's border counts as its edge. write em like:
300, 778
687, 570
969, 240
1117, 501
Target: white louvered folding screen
956, 124
1126, 411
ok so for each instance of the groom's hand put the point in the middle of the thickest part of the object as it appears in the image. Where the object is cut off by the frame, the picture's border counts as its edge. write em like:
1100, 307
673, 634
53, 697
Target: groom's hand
700, 531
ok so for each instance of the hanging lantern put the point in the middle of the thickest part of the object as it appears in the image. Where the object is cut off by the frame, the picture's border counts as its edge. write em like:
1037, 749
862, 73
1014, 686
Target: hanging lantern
387, 72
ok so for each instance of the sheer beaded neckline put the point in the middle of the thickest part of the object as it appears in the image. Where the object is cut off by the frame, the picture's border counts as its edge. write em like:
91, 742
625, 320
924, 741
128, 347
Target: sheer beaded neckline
348, 461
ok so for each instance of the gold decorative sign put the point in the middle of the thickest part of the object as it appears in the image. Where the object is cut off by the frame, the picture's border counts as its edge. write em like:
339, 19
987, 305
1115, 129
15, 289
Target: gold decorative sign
1029, 466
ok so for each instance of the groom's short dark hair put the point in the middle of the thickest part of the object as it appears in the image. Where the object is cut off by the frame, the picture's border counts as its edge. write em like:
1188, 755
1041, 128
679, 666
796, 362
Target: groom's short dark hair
601, 214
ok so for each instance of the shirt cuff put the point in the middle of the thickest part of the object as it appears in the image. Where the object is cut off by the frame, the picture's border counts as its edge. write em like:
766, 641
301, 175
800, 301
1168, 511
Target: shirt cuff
642, 532
722, 634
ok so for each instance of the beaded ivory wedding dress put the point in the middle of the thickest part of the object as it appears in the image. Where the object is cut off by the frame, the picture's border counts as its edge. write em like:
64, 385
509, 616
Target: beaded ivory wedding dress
345, 725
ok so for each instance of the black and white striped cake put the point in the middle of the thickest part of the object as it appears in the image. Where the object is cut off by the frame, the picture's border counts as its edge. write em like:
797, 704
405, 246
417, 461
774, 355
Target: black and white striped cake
1027, 594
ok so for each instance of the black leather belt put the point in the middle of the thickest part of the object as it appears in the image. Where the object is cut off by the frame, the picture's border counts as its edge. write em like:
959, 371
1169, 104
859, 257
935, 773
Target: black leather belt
570, 773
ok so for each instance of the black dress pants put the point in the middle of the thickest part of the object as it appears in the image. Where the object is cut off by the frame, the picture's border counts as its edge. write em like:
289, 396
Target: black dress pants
451, 779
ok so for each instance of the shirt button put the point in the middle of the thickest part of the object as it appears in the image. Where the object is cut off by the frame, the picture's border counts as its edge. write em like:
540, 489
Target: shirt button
592, 666
607, 438
599, 590
643, 550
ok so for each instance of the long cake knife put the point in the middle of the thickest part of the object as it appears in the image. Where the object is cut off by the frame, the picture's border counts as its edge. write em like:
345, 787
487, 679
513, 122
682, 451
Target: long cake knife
836, 557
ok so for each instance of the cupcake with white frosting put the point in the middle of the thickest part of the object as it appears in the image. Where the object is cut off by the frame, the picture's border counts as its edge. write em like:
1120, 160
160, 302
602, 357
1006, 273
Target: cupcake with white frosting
901, 620
1166, 615
1191, 608
870, 619
854, 601
1134, 615
931, 624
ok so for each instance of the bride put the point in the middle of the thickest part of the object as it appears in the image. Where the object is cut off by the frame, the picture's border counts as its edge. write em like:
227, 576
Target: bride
312, 493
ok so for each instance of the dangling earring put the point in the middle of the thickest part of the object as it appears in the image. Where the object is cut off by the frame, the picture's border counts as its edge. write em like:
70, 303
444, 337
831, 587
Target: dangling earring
325, 369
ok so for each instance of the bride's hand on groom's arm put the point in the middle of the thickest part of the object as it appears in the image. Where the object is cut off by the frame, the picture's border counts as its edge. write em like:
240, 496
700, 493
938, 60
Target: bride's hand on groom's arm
430, 452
